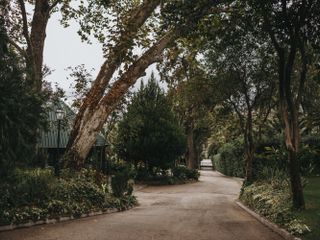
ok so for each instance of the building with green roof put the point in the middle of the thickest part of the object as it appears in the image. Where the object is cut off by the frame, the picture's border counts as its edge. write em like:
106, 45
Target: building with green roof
48, 143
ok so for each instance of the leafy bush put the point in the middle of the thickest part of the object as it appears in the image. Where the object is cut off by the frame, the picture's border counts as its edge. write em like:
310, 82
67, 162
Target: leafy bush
34, 186
229, 159
273, 201
143, 174
121, 184
309, 157
21, 112
36, 194
181, 172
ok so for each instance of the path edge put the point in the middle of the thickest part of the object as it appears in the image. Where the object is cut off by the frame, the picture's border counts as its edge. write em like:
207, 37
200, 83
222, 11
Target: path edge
10, 227
282, 232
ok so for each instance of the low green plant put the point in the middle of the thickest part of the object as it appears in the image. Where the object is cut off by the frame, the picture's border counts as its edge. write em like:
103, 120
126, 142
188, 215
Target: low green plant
229, 159
183, 173
121, 184
36, 194
273, 201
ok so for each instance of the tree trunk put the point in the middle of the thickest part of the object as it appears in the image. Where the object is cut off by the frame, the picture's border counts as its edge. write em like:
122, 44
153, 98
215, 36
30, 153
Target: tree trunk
191, 154
289, 109
37, 40
295, 180
249, 147
290, 98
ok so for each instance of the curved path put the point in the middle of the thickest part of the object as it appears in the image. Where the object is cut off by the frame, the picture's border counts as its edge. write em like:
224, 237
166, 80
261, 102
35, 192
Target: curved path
197, 211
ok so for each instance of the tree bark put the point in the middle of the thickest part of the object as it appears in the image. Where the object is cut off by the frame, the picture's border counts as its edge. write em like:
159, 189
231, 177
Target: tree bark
249, 147
37, 39
191, 154
289, 112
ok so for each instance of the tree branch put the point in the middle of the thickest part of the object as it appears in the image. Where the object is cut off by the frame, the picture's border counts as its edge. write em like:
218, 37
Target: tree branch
54, 4
272, 34
25, 23
16, 46
137, 69
120, 50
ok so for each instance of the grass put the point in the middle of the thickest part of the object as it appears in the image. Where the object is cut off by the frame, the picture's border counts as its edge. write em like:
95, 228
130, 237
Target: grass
311, 216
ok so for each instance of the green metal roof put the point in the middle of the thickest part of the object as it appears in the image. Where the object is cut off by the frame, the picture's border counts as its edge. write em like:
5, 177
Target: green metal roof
49, 138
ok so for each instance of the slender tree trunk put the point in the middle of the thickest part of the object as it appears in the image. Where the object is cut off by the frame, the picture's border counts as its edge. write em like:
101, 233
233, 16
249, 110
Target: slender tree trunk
292, 144
249, 147
191, 154
37, 39
289, 113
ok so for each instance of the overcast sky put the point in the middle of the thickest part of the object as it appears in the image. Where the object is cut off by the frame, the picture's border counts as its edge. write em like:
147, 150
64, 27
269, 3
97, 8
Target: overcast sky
63, 49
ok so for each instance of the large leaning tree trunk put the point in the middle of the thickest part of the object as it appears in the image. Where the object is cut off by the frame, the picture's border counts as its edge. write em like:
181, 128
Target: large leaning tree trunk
93, 117
34, 35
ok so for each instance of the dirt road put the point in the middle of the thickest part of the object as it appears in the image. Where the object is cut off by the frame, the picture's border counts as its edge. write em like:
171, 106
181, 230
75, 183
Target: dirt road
197, 211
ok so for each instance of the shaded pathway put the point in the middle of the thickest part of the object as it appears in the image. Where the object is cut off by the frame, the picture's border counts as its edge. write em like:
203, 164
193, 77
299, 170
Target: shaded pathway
198, 211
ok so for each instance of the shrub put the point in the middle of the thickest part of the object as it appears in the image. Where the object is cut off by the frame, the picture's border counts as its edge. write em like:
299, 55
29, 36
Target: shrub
309, 157
273, 201
183, 173
229, 159
33, 186
120, 183
37, 194
143, 174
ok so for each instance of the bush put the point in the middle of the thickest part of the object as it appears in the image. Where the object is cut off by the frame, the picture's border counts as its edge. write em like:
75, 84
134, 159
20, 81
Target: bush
183, 173
273, 201
121, 184
229, 159
309, 157
37, 194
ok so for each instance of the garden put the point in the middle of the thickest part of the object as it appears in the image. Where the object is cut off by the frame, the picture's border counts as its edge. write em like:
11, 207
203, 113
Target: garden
97, 96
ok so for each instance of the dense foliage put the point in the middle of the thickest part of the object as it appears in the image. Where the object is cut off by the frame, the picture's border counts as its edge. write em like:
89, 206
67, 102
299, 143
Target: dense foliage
270, 157
272, 200
32, 195
21, 112
149, 133
229, 159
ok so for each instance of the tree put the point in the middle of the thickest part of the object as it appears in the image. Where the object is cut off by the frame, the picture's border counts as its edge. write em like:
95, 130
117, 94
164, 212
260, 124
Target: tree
21, 111
188, 99
242, 65
149, 132
293, 27
178, 19
191, 93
